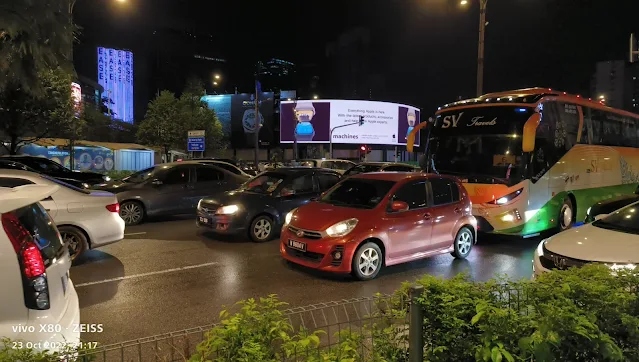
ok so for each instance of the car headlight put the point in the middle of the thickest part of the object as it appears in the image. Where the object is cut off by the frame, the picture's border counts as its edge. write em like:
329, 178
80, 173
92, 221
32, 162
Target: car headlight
540, 248
106, 178
588, 211
342, 228
227, 210
289, 217
199, 204
505, 199
85, 185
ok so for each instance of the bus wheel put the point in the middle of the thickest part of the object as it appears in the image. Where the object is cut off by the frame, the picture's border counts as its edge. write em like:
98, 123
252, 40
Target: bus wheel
565, 219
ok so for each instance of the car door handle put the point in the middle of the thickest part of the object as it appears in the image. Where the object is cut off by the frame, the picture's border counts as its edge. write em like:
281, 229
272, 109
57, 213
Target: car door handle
427, 216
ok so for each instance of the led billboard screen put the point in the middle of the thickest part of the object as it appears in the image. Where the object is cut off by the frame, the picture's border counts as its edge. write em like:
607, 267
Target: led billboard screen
115, 74
311, 121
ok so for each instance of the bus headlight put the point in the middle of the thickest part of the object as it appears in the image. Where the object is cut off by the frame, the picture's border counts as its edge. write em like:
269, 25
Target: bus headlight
506, 199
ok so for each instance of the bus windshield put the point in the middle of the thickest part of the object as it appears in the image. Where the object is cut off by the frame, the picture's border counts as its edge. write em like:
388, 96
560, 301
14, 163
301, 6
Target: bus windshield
481, 145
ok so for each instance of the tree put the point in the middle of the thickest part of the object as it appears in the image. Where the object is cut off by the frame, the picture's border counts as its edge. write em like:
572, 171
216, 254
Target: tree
26, 118
35, 35
197, 116
194, 85
161, 125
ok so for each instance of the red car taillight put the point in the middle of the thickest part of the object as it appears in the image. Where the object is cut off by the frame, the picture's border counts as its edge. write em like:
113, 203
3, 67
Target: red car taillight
33, 270
113, 207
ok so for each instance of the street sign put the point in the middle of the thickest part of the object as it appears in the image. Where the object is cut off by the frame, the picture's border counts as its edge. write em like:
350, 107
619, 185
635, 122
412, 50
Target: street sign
195, 144
197, 133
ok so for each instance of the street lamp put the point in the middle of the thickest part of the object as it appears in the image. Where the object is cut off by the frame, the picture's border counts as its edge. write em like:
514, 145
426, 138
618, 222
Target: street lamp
315, 97
214, 83
217, 76
480, 50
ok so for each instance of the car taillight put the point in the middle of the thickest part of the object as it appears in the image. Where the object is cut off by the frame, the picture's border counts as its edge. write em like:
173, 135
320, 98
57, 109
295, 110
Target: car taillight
113, 207
33, 270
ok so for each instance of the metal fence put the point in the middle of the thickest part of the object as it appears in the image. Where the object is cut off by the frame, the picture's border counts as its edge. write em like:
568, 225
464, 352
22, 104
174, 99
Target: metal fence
359, 316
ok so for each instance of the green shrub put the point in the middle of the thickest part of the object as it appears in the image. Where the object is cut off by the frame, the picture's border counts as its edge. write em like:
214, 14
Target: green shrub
12, 351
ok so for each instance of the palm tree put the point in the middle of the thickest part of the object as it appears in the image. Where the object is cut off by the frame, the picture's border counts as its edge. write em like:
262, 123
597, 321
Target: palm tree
34, 35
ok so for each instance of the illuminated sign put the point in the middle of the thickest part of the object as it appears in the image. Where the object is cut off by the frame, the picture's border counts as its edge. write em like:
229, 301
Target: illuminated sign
311, 121
115, 74
76, 96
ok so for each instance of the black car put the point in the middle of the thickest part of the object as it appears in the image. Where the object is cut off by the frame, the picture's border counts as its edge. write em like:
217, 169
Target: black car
366, 167
609, 205
261, 204
169, 189
51, 168
9, 164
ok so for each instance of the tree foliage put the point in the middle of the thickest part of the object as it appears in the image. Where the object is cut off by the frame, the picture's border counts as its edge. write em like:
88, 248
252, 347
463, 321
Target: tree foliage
25, 118
168, 120
34, 35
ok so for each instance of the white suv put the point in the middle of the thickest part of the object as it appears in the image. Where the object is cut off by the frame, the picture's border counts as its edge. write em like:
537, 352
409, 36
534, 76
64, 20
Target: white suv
39, 305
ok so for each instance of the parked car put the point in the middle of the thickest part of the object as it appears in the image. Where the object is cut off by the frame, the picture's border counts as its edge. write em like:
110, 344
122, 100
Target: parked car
337, 165
34, 270
86, 219
259, 206
366, 167
169, 189
374, 220
609, 205
9, 164
611, 240
227, 166
51, 168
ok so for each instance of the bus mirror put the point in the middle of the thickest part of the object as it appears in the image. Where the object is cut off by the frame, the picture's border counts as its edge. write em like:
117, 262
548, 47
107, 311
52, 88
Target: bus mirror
530, 132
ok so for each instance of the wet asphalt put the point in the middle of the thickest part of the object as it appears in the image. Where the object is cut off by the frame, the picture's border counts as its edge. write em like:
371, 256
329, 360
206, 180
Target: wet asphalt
166, 275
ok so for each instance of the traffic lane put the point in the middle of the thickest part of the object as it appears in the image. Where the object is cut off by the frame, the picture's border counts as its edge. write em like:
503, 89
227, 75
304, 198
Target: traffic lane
155, 296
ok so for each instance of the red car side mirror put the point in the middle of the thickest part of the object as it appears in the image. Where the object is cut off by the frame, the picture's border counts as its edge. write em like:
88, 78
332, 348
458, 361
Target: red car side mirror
398, 206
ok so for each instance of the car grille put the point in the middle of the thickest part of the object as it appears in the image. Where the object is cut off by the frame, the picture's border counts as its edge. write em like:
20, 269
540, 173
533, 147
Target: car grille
307, 234
209, 208
306, 255
339, 248
554, 261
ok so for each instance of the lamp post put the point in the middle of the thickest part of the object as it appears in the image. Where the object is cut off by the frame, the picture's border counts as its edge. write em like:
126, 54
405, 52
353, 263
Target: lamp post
480, 48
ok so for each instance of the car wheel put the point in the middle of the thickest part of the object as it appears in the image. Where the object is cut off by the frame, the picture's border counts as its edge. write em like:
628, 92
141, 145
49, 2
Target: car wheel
132, 212
75, 239
261, 229
565, 218
463, 243
367, 261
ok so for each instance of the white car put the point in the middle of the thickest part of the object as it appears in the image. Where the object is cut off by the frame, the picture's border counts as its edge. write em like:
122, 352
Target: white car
340, 166
86, 219
612, 240
40, 307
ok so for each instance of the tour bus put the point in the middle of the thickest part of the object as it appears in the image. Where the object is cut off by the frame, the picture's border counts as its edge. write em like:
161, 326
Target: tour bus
535, 159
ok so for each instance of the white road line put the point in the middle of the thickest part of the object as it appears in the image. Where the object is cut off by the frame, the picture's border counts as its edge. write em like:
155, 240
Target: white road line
129, 234
146, 274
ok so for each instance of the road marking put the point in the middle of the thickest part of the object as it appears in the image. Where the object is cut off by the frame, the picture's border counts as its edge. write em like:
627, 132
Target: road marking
129, 234
146, 274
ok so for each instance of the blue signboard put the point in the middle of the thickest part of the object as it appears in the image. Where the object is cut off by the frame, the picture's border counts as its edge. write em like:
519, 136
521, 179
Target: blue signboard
195, 144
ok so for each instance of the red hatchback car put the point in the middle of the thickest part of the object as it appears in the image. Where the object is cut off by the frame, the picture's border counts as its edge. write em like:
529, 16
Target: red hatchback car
380, 219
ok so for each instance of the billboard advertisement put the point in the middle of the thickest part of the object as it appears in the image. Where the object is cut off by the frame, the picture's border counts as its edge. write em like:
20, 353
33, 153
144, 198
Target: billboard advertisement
311, 121
115, 74
76, 97
236, 112
85, 158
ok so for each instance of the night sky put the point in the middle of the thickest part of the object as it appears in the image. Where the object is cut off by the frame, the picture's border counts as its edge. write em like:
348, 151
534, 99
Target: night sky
426, 50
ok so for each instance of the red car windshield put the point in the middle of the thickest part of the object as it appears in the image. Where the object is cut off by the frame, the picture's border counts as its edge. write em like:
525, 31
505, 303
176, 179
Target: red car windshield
358, 193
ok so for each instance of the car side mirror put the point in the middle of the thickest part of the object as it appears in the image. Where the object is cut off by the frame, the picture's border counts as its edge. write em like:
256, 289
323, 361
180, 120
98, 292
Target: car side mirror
601, 216
398, 206
156, 182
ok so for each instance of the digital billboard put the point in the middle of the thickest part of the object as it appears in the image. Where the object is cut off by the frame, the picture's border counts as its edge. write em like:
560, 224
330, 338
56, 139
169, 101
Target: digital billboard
115, 74
76, 97
236, 112
311, 121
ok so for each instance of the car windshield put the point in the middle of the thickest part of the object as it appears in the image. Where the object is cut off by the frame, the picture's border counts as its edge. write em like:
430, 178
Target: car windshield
140, 176
66, 185
44, 165
625, 220
264, 183
35, 219
358, 193
362, 169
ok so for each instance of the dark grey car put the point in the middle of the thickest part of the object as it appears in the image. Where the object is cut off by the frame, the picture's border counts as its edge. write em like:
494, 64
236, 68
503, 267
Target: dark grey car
169, 189
261, 204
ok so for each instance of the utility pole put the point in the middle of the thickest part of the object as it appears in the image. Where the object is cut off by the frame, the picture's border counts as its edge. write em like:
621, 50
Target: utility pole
330, 137
71, 136
257, 124
480, 50
294, 132
634, 52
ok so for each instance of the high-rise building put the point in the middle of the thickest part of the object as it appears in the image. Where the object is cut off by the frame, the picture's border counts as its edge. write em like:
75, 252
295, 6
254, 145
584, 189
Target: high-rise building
610, 83
349, 61
276, 74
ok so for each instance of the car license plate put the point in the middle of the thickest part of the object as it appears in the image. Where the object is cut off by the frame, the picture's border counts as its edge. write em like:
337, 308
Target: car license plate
204, 220
297, 245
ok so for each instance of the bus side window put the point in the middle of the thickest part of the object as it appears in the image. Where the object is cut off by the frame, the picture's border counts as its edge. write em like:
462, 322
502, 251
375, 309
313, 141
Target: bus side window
595, 127
629, 133
586, 130
611, 130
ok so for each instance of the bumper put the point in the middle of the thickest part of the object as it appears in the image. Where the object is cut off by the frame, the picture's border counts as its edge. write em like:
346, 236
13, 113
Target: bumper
111, 231
223, 224
68, 325
319, 253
